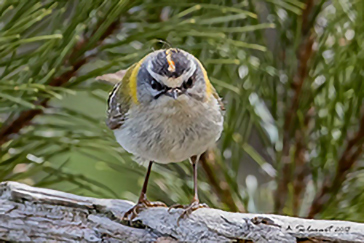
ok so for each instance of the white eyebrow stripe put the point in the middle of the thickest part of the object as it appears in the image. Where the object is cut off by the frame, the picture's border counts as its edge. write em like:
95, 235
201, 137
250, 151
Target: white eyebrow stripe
173, 82
190, 71
156, 76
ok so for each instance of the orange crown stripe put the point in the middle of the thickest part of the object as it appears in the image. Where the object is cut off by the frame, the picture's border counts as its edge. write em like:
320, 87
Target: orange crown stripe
171, 65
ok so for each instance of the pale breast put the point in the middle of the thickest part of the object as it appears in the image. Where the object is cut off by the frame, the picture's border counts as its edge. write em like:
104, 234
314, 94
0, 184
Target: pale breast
172, 133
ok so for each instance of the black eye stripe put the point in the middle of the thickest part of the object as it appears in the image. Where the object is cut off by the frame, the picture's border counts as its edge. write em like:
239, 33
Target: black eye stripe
158, 95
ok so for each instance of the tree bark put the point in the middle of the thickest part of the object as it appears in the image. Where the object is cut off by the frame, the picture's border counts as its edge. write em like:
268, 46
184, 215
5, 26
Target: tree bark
29, 214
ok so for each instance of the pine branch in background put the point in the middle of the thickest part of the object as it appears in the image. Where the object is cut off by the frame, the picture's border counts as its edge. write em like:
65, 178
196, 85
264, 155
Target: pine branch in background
301, 170
304, 54
309, 154
221, 188
331, 186
349, 157
25, 117
52, 65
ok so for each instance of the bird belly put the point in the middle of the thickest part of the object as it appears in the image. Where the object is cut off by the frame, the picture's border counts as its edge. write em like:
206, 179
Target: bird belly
170, 134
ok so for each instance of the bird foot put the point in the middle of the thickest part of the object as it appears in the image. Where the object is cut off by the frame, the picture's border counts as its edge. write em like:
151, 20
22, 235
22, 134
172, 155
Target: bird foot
142, 204
188, 209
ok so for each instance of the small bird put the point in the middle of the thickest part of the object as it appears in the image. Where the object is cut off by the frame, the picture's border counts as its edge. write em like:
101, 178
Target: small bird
164, 109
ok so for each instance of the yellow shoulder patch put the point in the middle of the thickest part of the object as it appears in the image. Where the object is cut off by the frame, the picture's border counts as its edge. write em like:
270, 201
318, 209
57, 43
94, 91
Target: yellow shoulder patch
133, 83
209, 87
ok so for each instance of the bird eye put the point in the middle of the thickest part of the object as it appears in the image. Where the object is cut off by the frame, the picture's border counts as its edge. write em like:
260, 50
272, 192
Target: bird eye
156, 85
188, 84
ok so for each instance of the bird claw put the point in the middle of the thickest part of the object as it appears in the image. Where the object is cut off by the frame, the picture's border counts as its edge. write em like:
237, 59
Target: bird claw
142, 204
188, 209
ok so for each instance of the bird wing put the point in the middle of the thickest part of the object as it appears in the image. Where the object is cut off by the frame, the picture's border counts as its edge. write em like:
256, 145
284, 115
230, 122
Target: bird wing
119, 101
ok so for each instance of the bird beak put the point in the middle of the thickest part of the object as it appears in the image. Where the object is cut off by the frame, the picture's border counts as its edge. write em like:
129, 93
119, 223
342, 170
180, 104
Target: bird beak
174, 93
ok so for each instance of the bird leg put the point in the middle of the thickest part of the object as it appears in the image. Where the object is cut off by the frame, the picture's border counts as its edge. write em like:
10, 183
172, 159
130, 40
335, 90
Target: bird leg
195, 204
143, 202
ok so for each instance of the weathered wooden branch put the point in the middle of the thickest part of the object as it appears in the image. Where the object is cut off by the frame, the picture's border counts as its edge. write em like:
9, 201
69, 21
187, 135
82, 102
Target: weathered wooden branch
29, 214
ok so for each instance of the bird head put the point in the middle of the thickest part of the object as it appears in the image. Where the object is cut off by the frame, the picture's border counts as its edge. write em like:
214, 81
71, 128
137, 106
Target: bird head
167, 76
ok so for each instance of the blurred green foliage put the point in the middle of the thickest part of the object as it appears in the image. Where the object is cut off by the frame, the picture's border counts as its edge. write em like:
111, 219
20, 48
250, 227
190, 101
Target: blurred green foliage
290, 73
